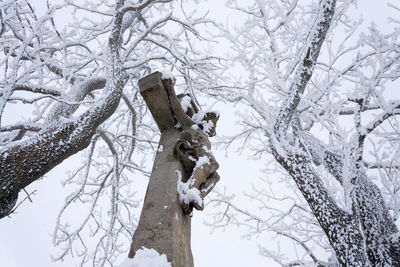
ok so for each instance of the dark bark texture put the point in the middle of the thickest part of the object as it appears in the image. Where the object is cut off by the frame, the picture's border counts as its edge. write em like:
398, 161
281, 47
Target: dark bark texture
366, 236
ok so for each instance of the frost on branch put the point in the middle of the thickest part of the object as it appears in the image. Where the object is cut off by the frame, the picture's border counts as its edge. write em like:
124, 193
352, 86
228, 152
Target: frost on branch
74, 83
335, 137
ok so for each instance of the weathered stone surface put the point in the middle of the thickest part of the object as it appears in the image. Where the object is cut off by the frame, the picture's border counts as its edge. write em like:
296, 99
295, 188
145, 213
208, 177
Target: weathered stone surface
183, 157
163, 225
152, 89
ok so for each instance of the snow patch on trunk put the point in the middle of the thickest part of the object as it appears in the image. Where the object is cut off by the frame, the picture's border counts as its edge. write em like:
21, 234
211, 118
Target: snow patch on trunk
146, 257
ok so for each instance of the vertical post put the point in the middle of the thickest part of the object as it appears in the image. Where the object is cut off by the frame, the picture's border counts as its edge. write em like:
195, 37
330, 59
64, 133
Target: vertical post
163, 225
165, 222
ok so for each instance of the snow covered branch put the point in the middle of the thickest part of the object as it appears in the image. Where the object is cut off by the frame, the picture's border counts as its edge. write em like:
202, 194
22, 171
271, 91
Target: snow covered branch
66, 76
305, 69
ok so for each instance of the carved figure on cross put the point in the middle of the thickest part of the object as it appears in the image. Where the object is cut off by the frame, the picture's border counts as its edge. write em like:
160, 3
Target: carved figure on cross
184, 170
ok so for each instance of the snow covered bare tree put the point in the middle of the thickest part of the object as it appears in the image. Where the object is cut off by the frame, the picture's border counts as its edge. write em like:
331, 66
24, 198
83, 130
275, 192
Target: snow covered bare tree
67, 65
321, 89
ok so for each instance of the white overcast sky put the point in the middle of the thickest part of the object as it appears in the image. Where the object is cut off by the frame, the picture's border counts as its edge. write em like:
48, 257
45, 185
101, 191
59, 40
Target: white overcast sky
25, 239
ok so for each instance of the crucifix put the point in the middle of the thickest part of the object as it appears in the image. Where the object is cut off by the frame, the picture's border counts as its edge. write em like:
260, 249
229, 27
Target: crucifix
184, 171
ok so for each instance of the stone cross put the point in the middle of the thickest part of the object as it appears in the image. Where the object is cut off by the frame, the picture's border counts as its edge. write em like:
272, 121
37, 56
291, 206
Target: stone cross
184, 171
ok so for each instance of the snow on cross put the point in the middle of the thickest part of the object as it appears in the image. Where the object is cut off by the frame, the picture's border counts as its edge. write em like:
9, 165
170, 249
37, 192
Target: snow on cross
183, 152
